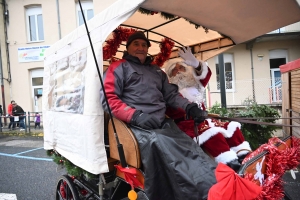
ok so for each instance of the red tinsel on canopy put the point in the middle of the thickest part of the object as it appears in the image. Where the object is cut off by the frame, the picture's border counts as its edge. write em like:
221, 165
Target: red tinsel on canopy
166, 47
121, 34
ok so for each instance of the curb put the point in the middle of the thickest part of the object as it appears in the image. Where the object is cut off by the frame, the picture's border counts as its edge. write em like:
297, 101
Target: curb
22, 134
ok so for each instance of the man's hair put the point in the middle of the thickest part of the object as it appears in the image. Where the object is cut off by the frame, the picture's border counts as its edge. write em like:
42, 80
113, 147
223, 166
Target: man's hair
12, 101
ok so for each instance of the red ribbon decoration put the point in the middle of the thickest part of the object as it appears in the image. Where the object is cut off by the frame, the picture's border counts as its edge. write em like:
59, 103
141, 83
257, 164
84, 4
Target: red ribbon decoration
231, 186
130, 176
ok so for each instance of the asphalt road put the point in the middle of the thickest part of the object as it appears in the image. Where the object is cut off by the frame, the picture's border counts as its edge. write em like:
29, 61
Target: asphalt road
26, 170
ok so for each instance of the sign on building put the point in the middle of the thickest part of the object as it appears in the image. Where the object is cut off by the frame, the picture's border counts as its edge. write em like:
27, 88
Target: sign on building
31, 54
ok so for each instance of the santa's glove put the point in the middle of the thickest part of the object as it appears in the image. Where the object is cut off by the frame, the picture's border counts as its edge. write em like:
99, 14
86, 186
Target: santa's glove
196, 113
145, 120
186, 54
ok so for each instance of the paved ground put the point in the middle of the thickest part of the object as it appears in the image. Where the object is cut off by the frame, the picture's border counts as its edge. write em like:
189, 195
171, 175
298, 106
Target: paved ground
35, 138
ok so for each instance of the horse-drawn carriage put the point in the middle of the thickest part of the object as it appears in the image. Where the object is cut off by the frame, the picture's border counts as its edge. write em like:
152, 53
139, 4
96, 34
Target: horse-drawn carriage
75, 124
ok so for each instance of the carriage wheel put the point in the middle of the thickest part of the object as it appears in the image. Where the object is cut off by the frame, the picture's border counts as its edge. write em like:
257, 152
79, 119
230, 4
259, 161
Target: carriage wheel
65, 189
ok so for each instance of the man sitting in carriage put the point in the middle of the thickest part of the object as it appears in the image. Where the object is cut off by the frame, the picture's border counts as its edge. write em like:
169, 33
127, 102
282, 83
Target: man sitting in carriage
138, 93
222, 140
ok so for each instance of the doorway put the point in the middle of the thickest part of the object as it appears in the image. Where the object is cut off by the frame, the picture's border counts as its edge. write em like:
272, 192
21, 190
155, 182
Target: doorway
37, 89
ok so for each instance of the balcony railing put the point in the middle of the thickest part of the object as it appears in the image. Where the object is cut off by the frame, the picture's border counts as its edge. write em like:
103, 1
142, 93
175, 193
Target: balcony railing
263, 91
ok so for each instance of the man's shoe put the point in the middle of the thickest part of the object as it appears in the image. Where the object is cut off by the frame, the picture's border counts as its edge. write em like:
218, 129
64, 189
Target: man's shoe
22, 129
234, 164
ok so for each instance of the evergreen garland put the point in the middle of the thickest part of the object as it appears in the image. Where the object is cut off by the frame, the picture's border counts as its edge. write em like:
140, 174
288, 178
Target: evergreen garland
72, 169
168, 16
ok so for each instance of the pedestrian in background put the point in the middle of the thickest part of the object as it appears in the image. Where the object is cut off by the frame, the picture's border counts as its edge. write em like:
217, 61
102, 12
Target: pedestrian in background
37, 121
12, 124
18, 111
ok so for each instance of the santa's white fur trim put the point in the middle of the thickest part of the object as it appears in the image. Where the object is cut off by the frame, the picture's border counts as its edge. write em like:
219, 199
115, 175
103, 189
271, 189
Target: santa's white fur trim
231, 128
244, 145
208, 134
226, 157
170, 64
210, 123
204, 71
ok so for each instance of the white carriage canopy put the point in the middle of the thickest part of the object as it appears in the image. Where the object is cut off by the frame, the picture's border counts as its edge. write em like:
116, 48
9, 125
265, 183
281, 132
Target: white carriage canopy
73, 115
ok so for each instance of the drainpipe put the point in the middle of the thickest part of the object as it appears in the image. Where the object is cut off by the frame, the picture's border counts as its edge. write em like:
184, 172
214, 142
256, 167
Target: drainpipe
58, 19
249, 46
5, 21
2, 88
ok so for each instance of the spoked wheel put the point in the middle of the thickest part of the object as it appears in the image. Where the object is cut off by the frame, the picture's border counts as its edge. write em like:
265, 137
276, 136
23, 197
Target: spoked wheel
65, 189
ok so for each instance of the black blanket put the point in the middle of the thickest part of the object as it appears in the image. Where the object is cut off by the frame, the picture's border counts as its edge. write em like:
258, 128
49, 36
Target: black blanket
175, 167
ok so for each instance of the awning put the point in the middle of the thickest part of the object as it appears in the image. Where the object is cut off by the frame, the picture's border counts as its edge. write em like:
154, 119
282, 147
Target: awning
222, 24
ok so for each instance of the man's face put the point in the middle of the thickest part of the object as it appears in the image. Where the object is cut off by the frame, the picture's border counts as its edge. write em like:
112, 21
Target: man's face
178, 68
138, 48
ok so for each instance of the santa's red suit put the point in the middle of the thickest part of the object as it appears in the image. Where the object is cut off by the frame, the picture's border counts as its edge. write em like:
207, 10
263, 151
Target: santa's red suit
223, 140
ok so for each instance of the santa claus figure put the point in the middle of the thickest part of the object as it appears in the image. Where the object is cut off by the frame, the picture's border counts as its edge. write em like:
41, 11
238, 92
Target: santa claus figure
222, 140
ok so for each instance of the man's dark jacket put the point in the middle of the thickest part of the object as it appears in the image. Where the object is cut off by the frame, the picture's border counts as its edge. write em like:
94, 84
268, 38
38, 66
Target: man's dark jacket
18, 110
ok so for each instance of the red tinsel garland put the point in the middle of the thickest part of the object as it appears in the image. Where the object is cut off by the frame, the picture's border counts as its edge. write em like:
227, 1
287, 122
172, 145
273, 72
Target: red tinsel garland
121, 34
166, 47
277, 162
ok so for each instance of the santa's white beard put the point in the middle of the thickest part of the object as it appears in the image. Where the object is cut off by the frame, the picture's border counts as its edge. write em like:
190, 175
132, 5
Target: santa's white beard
189, 87
184, 79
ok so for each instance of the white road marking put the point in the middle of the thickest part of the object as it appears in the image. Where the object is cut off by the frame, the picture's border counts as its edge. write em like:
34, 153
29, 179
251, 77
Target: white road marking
4, 196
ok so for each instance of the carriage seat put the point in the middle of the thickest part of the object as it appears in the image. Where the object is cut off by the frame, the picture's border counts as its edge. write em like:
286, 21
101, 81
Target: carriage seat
127, 139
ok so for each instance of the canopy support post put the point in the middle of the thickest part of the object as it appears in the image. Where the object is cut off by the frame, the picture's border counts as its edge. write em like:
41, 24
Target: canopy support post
222, 80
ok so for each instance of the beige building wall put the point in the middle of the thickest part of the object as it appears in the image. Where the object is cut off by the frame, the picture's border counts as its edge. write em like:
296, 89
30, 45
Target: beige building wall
20, 88
243, 71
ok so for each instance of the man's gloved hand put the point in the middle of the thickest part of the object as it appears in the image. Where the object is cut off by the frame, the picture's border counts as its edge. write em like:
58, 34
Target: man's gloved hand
145, 120
196, 113
189, 59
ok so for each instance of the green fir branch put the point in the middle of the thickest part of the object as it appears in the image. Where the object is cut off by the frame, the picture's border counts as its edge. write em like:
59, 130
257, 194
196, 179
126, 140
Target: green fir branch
72, 169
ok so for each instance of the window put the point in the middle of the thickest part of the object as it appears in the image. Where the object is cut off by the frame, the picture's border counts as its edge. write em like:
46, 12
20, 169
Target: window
229, 72
37, 81
88, 10
35, 25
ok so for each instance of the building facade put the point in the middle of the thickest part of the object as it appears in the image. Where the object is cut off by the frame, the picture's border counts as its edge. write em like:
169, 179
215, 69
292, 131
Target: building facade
252, 69
29, 27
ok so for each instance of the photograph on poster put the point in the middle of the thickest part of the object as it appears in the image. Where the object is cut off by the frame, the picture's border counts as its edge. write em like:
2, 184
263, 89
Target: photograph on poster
67, 83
